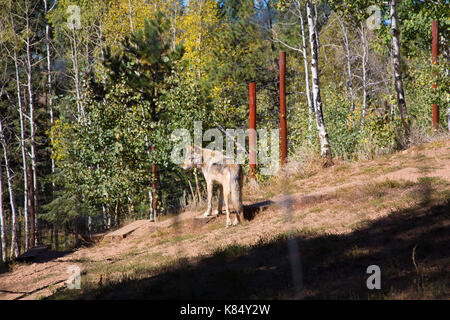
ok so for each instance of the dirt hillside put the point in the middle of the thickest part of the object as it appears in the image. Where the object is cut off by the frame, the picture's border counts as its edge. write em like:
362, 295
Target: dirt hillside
304, 237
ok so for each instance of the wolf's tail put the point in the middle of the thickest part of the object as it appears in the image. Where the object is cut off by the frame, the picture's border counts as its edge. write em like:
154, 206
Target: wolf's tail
236, 191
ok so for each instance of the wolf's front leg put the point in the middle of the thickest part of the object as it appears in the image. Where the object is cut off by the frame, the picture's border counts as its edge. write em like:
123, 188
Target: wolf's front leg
209, 187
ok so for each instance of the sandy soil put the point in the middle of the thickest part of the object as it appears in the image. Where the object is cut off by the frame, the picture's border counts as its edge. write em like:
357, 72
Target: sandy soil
41, 279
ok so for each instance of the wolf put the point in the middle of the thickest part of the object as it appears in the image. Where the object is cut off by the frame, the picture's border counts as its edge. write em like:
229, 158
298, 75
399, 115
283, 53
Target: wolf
221, 170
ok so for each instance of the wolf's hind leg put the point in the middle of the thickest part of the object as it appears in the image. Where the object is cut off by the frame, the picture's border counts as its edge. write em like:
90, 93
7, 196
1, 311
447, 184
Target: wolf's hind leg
220, 204
226, 192
236, 199
239, 216
237, 219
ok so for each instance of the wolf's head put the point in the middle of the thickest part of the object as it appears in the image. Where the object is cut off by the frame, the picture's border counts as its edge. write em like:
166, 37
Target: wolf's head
192, 158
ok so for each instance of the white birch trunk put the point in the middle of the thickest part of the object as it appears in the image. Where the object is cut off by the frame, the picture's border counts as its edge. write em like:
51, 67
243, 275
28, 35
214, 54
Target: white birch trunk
14, 247
398, 79
174, 27
49, 83
325, 149
131, 16
152, 211
2, 219
102, 54
50, 105
106, 216
364, 67
76, 71
315, 29
29, 72
22, 129
307, 81
24, 153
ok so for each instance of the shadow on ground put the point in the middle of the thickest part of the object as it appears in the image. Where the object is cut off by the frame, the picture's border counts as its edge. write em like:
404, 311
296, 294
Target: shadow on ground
250, 211
41, 257
332, 266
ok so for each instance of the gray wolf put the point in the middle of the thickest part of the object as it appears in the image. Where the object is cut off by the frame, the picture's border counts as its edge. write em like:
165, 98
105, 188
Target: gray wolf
221, 170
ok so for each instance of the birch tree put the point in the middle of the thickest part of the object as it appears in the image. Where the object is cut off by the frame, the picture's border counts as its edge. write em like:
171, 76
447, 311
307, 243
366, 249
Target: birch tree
2, 217
49, 95
11, 51
49, 80
364, 61
24, 152
398, 79
325, 149
14, 245
29, 38
307, 80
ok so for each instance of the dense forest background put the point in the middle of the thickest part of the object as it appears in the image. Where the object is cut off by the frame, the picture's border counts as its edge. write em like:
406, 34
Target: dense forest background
90, 92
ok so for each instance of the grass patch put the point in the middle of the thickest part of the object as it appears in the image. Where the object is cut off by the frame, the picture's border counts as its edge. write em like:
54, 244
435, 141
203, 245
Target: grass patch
391, 169
436, 181
425, 169
360, 224
342, 168
419, 157
316, 209
369, 170
230, 252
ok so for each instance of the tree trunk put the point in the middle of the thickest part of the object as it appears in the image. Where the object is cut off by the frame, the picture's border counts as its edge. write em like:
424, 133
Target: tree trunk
49, 86
349, 69
174, 27
32, 126
106, 223
151, 216
76, 72
2, 218
156, 194
131, 16
307, 81
116, 215
24, 153
32, 216
325, 149
56, 237
14, 247
365, 59
398, 79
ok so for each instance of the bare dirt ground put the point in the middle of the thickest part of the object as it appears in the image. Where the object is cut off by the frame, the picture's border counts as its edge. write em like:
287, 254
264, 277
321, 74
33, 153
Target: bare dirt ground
392, 211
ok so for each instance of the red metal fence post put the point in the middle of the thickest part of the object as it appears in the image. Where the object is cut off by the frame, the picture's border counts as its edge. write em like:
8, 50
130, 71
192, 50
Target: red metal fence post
252, 127
435, 52
283, 130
